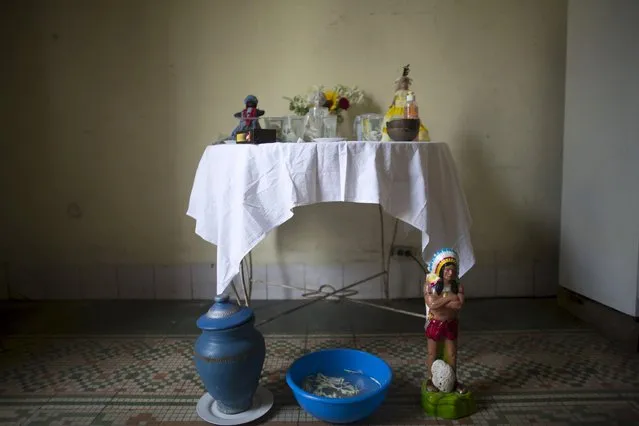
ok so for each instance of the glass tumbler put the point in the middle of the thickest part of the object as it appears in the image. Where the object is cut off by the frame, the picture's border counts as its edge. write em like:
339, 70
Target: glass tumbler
330, 126
372, 127
276, 123
293, 128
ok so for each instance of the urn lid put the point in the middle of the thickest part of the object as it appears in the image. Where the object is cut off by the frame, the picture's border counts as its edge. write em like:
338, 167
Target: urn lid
224, 314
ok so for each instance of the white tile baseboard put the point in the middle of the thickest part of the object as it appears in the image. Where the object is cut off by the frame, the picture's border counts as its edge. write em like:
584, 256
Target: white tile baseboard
198, 281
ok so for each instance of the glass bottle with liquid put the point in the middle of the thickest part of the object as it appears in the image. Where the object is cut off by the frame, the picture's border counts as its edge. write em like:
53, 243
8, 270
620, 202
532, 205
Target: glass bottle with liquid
411, 111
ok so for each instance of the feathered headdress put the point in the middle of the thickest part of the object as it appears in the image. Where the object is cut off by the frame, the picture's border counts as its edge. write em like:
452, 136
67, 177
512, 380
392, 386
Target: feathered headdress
441, 258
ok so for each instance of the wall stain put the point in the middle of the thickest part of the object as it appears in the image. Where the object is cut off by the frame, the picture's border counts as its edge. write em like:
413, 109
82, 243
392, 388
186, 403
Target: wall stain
74, 211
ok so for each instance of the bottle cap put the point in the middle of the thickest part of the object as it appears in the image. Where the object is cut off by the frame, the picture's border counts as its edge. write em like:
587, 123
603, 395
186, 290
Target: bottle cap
410, 97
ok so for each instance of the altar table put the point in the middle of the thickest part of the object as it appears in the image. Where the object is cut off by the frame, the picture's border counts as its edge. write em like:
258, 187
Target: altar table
242, 192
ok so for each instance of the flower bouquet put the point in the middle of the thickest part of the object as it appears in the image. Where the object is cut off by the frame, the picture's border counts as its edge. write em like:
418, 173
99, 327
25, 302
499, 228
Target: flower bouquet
339, 98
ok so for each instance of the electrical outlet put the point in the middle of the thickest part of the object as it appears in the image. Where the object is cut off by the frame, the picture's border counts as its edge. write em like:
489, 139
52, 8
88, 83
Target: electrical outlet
404, 251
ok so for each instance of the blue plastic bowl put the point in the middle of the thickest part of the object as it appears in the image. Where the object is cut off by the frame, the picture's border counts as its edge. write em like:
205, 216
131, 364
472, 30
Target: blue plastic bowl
339, 410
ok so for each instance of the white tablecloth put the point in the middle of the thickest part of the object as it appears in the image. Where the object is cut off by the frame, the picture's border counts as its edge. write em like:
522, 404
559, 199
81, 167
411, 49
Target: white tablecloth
242, 192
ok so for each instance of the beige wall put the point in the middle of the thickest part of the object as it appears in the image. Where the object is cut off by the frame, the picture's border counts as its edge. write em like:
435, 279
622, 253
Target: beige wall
107, 106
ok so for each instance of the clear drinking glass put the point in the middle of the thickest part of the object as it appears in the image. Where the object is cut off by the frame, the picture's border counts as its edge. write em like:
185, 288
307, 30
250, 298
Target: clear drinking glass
330, 126
314, 123
293, 128
357, 128
276, 123
368, 127
372, 127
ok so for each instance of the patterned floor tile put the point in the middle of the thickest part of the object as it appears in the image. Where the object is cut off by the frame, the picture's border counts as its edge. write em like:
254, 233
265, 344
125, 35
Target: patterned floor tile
191, 386
274, 379
136, 416
70, 414
602, 412
44, 378
17, 415
402, 349
573, 377
182, 409
316, 343
157, 378
56, 350
285, 414
141, 349
285, 347
134, 410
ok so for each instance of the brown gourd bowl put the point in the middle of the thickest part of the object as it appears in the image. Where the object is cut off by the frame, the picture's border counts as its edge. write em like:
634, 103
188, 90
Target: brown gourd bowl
404, 129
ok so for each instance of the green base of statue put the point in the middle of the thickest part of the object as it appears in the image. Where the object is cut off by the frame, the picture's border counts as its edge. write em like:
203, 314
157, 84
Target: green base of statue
447, 405
451, 405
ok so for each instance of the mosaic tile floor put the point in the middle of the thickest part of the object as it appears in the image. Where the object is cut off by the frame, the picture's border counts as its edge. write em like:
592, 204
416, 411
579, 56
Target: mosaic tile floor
521, 377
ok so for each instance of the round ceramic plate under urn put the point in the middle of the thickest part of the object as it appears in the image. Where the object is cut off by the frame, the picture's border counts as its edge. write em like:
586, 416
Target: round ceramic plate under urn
209, 412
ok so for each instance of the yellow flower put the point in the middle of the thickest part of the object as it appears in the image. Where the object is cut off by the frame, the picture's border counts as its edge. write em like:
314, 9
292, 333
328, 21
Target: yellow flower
331, 99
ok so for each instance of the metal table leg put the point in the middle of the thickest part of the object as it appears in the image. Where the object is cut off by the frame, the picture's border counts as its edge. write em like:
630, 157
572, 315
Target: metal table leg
318, 299
320, 294
386, 258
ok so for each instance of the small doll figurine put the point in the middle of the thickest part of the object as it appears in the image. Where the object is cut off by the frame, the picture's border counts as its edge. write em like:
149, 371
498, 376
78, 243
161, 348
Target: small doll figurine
248, 116
444, 297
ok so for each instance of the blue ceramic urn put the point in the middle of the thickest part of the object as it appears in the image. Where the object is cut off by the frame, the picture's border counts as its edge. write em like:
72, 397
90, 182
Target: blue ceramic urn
229, 355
